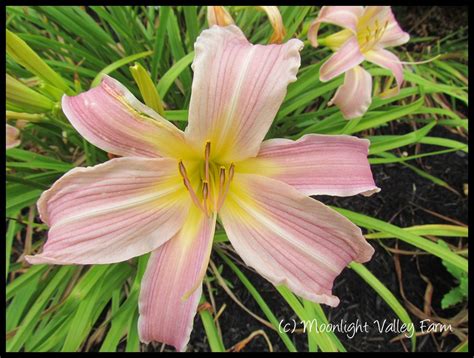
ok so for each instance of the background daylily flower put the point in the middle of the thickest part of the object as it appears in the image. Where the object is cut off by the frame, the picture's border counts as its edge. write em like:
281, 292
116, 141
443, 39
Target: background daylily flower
367, 32
166, 191
218, 15
12, 136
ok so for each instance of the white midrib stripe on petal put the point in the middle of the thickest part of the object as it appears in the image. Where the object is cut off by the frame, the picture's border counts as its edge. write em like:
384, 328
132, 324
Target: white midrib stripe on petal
142, 199
342, 59
236, 96
273, 226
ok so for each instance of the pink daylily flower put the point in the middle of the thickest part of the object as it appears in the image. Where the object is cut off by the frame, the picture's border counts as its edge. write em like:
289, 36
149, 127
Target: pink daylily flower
12, 136
164, 194
367, 32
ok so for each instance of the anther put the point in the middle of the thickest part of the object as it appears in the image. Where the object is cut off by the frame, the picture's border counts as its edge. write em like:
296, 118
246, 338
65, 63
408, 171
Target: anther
207, 154
222, 195
221, 185
221, 176
385, 25
182, 169
231, 171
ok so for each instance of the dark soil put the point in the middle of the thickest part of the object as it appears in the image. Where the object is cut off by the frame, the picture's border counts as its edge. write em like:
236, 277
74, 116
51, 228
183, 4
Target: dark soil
403, 201
438, 21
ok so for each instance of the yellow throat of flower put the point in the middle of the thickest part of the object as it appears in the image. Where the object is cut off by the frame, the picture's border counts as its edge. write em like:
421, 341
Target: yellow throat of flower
368, 35
208, 182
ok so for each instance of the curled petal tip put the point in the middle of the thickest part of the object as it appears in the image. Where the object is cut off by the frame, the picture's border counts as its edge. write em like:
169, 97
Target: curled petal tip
391, 62
371, 192
366, 253
29, 259
12, 137
354, 96
274, 16
218, 15
344, 16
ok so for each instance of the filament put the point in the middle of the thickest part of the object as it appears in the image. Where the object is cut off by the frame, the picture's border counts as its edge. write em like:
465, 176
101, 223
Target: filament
205, 195
187, 184
224, 188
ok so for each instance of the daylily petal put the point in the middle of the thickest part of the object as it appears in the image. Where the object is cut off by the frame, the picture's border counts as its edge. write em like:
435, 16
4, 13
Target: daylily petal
274, 16
316, 164
347, 57
290, 238
337, 39
111, 118
172, 284
237, 90
112, 212
389, 61
354, 97
393, 34
218, 15
344, 16
12, 137
372, 14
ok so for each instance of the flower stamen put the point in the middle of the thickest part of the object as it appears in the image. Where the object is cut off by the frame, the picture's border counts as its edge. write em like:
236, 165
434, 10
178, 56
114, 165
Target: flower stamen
370, 37
221, 184
205, 195
187, 184
224, 185
207, 153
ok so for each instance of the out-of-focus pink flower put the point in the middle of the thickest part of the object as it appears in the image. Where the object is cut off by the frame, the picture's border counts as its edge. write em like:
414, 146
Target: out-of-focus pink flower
12, 137
367, 32
164, 194
218, 15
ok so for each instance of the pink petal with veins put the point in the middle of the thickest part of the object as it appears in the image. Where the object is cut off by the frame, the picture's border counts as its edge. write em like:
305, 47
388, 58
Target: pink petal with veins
237, 90
172, 285
343, 16
111, 118
354, 96
289, 238
318, 164
345, 58
112, 212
